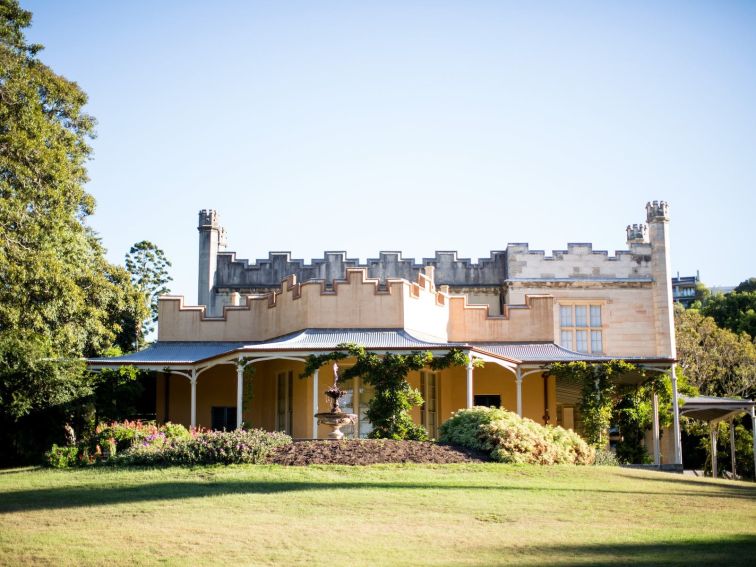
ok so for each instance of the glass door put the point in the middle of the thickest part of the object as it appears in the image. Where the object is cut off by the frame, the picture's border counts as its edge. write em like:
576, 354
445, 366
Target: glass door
429, 411
284, 406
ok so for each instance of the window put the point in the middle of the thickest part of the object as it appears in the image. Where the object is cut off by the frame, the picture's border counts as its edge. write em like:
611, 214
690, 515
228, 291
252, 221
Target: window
487, 400
581, 328
429, 409
223, 418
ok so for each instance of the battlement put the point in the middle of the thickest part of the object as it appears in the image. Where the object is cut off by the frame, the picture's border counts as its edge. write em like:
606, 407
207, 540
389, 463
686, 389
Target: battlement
657, 211
233, 273
579, 262
637, 233
208, 218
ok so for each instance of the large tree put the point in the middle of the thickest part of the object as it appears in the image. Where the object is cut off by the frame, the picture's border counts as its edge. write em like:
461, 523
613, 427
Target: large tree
717, 361
59, 298
735, 311
148, 267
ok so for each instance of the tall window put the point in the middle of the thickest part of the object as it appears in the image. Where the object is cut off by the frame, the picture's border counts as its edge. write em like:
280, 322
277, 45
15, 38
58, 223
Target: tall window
429, 409
581, 327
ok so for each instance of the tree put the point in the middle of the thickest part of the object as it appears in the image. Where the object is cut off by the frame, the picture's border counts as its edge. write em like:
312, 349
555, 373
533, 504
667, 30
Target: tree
746, 285
735, 311
59, 298
148, 267
717, 361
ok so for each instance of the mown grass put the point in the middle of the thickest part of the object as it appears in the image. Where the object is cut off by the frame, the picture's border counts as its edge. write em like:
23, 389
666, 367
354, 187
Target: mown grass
381, 515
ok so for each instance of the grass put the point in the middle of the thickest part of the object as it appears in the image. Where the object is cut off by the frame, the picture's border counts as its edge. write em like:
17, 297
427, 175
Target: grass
485, 514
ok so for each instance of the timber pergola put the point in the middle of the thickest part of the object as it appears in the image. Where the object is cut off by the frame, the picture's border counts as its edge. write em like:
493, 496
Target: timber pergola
715, 410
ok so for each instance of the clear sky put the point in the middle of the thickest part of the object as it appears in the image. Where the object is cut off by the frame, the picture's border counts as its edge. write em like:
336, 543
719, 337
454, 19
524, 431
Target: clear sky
416, 126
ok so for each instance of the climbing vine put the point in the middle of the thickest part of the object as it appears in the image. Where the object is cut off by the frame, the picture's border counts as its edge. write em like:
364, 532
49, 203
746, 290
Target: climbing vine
248, 378
389, 409
598, 393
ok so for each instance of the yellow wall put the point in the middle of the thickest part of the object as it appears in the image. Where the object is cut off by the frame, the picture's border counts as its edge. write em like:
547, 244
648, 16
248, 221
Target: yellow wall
217, 387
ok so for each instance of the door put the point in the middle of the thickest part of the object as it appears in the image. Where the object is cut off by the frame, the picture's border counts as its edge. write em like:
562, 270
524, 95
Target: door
284, 405
429, 411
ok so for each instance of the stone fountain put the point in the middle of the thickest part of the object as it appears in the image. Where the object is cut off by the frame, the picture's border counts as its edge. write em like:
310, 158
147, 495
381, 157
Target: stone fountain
336, 418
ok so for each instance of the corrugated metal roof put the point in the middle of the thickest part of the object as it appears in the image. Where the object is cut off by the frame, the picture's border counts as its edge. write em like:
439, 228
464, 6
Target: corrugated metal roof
710, 408
171, 353
166, 353
329, 338
537, 352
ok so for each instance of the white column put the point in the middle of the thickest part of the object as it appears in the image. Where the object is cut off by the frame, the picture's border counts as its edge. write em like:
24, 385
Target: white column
753, 431
314, 405
657, 455
193, 380
239, 394
470, 383
713, 434
518, 380
675, 416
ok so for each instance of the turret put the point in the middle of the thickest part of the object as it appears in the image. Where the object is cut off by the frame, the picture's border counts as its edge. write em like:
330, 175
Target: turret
637, 233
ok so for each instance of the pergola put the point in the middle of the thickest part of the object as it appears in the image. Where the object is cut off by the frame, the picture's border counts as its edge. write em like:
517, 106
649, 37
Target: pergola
714, 410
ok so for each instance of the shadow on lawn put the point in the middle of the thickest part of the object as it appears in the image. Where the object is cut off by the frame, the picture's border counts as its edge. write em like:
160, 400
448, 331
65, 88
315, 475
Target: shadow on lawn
731, 551
102, 495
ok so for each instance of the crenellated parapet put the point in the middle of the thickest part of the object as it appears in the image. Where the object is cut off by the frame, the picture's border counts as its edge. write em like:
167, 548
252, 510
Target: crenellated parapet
356, 301
233, 273
657, 211
579, 262
637, 233
208, 218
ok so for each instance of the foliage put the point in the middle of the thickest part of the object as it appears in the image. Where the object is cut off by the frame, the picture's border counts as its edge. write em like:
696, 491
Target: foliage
62, 457
146, 443
743, 448
633, 414
606, 458
128, 433
59, 298
509, 438
389, 409
746, 285
31, 378
598, 390
717, 361
735, 311
250, 446
148, 267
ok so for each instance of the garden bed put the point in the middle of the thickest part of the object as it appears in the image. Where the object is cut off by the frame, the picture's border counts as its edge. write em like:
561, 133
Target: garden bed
371, 452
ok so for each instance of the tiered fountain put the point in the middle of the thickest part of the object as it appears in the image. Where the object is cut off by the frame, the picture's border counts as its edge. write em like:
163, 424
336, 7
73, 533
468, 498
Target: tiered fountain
336, 418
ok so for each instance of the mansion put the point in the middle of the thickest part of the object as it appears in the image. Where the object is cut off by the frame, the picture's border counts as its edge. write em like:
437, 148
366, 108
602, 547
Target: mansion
517, 311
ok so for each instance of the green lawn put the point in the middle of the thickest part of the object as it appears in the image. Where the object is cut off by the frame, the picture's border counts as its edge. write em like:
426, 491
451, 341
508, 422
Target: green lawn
381, 515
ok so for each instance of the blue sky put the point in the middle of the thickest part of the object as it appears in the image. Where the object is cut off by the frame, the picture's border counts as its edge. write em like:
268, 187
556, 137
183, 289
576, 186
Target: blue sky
416, 126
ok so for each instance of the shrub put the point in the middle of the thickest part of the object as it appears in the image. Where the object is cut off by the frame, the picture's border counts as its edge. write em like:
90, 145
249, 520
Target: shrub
62, 457
508, 438
606, 458
250, 446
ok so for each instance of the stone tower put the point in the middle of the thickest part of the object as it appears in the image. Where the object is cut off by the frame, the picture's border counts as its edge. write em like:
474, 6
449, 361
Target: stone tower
657, 217
212, 237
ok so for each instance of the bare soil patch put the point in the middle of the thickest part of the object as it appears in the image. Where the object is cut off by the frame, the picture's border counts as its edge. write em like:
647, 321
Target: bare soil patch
372, 452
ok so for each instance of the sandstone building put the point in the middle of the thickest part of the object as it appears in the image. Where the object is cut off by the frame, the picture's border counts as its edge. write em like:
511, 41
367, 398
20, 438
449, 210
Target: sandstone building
517, 310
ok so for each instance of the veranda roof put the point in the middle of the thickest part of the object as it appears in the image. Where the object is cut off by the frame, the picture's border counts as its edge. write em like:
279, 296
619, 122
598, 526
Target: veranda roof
320, 340
710, 408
